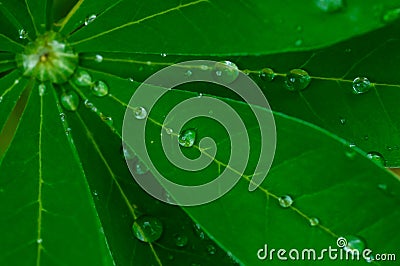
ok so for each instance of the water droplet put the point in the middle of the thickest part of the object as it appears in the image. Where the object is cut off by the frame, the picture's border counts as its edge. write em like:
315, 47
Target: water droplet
88, 104
298, 42
169, 131
199, 232
83, 78
95, 193
107, 119
139, 113
39, 241
354, 243
90, 19
42, 89
147, 228
141, 168
330, 6
16, 81
22, 34
180, 240
376, 157
100, 88
1, 99
347, 50
285, 201
98, 58
361, 85
163, 55
131, 79
127, 153
267, 74
297, 80
70, 100
342, 121
188, 73
391, 15
62, 117
226, 72
187, 138
211, 249
314, 221
349, 151
382, 186
68, 131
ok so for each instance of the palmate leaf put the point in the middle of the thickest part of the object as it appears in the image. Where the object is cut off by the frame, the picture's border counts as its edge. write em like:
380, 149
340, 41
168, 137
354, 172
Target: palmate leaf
44, 182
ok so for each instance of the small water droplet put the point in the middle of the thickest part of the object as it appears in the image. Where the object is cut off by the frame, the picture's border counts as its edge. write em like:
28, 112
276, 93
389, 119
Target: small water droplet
42, 89
391, 15
354, 243
199, 232
131, 79
376, 157
169, 131
330, 6
16, 81
62, 117
90, 19
285, 201
1, 99
100, 88
361, 85
180, 240
342, 121
95, 193
314, 221
70, 100
163, 54
68, 131
382, 186
147, 228
22, 34
83, 78
347, 50
267, 74
98, 58
298, 42
88, 104
226, 72
350, 152
188, 73
187, 138
211, 249
139, 113
39, 241
297, 80
141, 168
127, 153
107, 119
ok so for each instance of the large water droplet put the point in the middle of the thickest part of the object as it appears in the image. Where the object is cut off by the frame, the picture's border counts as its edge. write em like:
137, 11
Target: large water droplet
98, 58
330, 5
90, 19
42, 89
22, 34
391, 15
376, 157
354, 243
139, 113
180, 240
70, 100
285, 201
361, 85
314, 221
226, 72
83, 78
147, 228
187, 138
297, 80
100, 88
267, 74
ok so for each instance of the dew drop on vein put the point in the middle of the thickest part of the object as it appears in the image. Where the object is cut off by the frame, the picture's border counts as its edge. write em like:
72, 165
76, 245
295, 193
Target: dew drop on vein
90, 19
285, 201
330, 6
98, 58
199, 232
187, 138
70, 100
391, 15
314, 221
141, 168
100, 88
107, 119
139, 113
83, 78
62, 117
361, 85
180, 240
226, 72
376, 157
297, 80
147, 228
88, 104
22, 34
354, 243
267, 74
42, 89
1, 99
